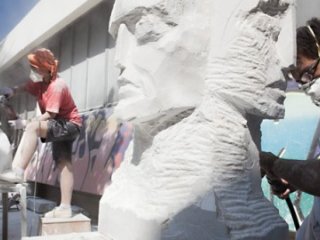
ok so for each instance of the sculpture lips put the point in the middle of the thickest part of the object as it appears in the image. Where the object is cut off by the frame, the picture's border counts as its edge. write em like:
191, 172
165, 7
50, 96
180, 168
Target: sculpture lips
122, 81
129, 91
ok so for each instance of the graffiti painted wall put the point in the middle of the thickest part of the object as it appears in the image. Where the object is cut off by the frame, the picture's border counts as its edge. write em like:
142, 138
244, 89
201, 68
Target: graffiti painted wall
97, 152
298, 133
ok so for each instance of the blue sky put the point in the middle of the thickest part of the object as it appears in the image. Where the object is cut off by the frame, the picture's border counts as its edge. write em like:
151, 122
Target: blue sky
11, 13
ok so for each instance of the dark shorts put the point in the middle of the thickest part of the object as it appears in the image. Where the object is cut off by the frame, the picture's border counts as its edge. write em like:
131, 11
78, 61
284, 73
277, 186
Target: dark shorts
61, 133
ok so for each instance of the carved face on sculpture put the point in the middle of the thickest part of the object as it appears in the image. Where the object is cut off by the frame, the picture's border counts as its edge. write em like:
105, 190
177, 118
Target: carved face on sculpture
247, 68
161, 51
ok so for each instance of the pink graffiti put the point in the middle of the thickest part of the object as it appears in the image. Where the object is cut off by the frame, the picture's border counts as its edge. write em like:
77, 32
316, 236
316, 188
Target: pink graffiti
97, 152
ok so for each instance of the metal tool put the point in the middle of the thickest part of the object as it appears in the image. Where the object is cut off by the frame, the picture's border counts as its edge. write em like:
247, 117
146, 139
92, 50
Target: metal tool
288, 200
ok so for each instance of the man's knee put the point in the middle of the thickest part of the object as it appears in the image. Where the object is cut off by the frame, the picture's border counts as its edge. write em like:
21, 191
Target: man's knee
38, 127
64, 163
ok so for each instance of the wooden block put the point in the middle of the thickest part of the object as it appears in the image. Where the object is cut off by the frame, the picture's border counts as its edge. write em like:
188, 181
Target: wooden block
71, 236
77, 223
292, 235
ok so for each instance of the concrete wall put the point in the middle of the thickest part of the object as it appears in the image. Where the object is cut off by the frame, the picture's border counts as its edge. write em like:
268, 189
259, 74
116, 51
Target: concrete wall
85, 51
307, 9
83, 47
42, 22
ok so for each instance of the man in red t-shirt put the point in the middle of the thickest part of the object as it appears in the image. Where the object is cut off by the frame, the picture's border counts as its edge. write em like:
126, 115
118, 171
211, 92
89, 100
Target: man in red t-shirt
59, 123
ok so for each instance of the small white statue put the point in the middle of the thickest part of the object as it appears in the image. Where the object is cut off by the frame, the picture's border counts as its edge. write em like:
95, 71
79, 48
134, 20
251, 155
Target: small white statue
5, 152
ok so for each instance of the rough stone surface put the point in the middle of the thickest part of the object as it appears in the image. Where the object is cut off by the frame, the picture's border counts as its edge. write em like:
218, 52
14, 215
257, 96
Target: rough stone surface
198, 77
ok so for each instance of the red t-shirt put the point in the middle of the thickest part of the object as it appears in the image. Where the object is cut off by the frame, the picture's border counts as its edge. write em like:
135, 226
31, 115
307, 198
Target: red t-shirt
55, 97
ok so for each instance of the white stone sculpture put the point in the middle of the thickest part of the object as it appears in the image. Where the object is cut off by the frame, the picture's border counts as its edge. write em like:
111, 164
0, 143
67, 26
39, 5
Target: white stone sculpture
6, 114
223, 59
5, 152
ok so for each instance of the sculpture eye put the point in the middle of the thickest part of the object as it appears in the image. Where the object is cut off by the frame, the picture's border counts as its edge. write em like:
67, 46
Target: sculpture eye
150, 28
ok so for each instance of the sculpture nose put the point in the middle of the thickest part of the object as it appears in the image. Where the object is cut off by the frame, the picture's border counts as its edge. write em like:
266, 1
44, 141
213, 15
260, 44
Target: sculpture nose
124, 47
121, 68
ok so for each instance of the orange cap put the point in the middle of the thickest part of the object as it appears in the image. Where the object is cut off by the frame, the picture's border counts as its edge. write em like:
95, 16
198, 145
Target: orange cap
44, 59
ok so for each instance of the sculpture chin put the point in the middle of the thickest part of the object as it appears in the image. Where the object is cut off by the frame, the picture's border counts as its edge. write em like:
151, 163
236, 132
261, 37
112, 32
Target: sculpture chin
135, 110
149, 111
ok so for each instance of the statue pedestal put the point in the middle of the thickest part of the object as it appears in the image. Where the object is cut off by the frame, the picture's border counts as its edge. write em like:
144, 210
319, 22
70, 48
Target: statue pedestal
71, 236
124, 225
78, 223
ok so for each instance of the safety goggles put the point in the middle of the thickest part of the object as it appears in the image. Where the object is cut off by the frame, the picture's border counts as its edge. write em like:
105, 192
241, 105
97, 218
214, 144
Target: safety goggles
307, 74
304, 76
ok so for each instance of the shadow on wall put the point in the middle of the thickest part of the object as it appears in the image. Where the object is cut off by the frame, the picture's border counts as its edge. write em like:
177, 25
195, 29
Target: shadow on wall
97, 152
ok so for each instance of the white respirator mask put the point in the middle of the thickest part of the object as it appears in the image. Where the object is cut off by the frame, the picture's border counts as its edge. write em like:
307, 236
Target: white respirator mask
35, 77
313, 90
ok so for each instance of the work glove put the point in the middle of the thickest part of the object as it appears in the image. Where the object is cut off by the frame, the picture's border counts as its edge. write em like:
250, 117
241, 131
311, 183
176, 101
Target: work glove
279, 186
18, 124
267, 160
7, 92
